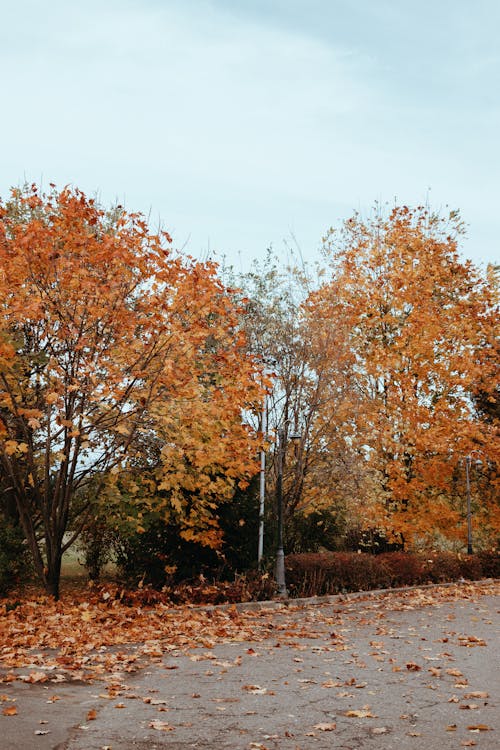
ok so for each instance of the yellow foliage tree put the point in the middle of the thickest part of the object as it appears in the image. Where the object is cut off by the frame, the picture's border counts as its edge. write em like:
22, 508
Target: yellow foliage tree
417, 330
111, 343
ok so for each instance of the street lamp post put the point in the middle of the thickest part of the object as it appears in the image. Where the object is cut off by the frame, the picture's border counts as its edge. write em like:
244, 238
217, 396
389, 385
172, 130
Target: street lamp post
262, 485
468, 464
280, 553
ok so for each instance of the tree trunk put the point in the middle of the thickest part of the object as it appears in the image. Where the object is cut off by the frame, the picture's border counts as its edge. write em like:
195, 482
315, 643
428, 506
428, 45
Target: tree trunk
48, 566
53, 576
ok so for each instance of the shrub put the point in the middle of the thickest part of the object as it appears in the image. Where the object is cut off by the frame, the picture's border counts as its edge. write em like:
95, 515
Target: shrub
159, 555
490, 563
471, 567
14, 559
405, 569
333, 572
323, 528
97, 542
440, 567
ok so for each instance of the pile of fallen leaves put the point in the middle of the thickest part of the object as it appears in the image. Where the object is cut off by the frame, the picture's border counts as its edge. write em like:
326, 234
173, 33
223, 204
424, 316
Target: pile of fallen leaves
249, 587
93, 633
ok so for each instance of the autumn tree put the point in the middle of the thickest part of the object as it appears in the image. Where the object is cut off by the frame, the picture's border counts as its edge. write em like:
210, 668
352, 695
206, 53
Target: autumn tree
115, 355
416, 339
321, 470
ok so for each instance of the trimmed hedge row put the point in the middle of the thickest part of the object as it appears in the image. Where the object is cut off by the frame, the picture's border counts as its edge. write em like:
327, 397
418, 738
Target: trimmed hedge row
318, 574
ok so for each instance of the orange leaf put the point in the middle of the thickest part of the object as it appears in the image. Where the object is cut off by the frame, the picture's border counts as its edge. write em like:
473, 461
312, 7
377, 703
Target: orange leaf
324, 727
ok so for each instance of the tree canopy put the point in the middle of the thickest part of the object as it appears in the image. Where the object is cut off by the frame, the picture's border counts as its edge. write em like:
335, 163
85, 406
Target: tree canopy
120, 363
413, 329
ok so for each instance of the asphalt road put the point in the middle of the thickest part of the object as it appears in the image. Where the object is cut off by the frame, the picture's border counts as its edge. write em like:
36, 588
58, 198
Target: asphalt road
399, 671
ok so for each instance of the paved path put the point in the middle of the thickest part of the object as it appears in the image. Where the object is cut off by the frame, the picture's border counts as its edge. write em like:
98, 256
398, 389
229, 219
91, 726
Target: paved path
400, 671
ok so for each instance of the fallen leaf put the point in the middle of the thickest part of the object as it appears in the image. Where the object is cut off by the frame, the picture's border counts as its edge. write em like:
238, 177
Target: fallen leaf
471, 640
161, 726
412, 667
360, 714
35, 677
331, 684
479, 728
9, 711
92, 715
323, 727
379, 730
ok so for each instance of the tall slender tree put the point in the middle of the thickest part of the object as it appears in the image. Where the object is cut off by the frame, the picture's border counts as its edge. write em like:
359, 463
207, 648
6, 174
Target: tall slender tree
418, 336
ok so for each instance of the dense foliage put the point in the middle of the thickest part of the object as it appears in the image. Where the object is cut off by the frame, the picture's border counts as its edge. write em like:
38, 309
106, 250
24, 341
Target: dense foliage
122, 371
132, 385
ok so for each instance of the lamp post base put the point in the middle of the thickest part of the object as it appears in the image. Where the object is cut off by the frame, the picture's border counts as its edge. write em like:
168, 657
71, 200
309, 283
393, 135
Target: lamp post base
280, 573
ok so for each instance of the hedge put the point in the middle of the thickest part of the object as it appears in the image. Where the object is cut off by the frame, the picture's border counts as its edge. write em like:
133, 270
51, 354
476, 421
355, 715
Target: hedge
318, 574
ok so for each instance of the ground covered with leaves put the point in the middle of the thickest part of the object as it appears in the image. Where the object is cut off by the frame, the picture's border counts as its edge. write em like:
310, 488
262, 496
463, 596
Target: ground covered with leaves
92, 632
107, 668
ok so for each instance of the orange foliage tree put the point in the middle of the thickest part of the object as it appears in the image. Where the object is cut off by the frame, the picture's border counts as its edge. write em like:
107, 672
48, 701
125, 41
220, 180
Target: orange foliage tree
115, 354
413, 329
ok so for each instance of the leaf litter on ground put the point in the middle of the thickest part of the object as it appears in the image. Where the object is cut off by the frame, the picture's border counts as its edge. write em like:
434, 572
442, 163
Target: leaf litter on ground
91, 633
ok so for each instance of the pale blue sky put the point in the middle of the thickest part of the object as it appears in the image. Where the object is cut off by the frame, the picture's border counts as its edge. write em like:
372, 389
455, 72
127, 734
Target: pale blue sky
240, 123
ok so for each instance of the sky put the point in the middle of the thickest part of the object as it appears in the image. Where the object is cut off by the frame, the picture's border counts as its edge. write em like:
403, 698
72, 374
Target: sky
240, 125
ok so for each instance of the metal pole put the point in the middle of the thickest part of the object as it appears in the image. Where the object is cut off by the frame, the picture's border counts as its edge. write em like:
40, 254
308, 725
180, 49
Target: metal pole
469, 512
262, 492
280, 554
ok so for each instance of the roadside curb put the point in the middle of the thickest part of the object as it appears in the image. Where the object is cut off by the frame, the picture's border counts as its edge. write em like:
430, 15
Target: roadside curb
317, 601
